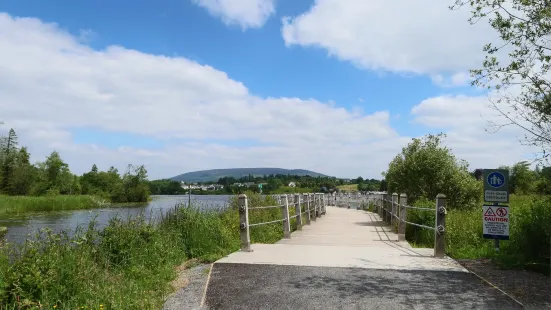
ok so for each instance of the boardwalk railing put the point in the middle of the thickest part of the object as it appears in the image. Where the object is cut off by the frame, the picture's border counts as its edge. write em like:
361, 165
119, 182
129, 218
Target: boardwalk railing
393, 208
313, 205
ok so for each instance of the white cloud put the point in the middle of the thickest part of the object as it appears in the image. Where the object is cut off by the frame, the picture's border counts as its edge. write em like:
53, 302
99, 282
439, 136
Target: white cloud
465, 120
245, 13
455, 80
422, 36
51, 83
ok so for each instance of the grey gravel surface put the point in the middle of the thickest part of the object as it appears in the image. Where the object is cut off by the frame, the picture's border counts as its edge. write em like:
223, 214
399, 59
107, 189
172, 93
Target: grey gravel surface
242, 286
190, 297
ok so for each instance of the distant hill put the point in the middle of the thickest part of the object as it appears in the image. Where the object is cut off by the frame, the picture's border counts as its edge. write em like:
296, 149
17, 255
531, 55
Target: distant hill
215, 174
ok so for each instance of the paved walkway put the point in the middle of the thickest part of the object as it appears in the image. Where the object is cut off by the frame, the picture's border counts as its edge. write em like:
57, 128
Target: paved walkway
345, 238
346, 260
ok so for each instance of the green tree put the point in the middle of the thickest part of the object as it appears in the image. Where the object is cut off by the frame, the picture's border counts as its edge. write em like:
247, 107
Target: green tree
9, 150
522, 178
24, 174
425, 168
517, 68
54, 176
134, 187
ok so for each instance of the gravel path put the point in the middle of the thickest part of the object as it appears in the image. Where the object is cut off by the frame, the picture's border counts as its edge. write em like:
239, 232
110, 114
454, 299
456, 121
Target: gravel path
530, 288
191, 283
241, 286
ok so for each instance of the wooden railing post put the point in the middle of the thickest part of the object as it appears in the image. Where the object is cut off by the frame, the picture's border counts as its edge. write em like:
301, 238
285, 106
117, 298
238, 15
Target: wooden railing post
298, 211
318, 207
323, 205
383, 203
313, 206
388, 207
394, 209
440, 231
305, 196
380, 205
286, 222
244, 223
403, 217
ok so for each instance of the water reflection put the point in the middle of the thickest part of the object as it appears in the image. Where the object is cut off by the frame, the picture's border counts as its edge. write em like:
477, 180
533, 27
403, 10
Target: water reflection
19, 229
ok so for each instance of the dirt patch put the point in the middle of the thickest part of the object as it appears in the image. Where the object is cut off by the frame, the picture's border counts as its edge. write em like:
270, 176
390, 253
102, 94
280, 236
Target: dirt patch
530, 288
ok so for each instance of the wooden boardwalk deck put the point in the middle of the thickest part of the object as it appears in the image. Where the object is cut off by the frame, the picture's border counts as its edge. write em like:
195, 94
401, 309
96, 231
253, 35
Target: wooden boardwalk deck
345, 238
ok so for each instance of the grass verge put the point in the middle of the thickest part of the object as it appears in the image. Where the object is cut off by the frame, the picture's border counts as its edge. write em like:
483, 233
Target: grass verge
348, 187
127, 265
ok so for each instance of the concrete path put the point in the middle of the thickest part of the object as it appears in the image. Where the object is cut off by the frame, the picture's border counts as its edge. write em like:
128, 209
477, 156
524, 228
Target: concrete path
346, 260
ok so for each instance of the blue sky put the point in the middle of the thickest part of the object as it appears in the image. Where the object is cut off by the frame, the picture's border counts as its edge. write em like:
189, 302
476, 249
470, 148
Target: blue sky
334, 55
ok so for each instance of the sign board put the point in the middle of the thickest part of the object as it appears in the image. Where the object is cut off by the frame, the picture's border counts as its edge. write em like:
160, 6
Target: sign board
495, 222
496, 185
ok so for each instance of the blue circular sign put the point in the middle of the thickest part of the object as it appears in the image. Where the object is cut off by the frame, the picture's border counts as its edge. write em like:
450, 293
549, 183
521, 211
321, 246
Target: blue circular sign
496, 179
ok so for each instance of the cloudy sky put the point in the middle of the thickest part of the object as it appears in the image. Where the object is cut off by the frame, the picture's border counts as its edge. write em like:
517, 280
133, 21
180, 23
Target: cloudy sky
334, 86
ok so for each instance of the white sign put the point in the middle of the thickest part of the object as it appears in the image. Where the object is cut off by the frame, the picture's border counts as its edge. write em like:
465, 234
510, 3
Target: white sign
495, 221
497, 196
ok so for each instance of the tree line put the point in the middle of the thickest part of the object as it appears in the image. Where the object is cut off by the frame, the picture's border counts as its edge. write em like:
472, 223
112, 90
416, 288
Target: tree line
18, 177
270, 184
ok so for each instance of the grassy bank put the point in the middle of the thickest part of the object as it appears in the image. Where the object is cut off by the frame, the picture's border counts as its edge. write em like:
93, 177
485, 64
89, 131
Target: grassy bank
18, 205
127, 265
289, 190
348, 187
530, 233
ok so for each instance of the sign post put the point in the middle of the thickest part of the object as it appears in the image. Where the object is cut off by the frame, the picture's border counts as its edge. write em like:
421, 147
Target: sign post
495, 217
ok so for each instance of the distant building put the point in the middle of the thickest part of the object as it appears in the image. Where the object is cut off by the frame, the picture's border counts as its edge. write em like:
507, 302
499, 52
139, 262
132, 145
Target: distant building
292, 184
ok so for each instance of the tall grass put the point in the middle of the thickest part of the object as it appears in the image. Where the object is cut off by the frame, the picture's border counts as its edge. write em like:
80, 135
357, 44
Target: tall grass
18, 205
529, 229
127, 265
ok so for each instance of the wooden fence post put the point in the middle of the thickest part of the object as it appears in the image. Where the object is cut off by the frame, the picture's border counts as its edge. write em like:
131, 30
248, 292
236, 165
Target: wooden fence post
388, 207
286, 222
403, 217
305, 196
298, 211
313, 206
384, 207
440, 231
380, 205
244, 223
318, 206
394, 214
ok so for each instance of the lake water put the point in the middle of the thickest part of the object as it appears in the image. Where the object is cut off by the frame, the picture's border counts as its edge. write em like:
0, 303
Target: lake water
19, 229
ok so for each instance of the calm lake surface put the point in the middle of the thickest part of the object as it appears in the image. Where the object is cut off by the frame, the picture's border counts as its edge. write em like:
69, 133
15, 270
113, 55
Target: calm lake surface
19, 229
